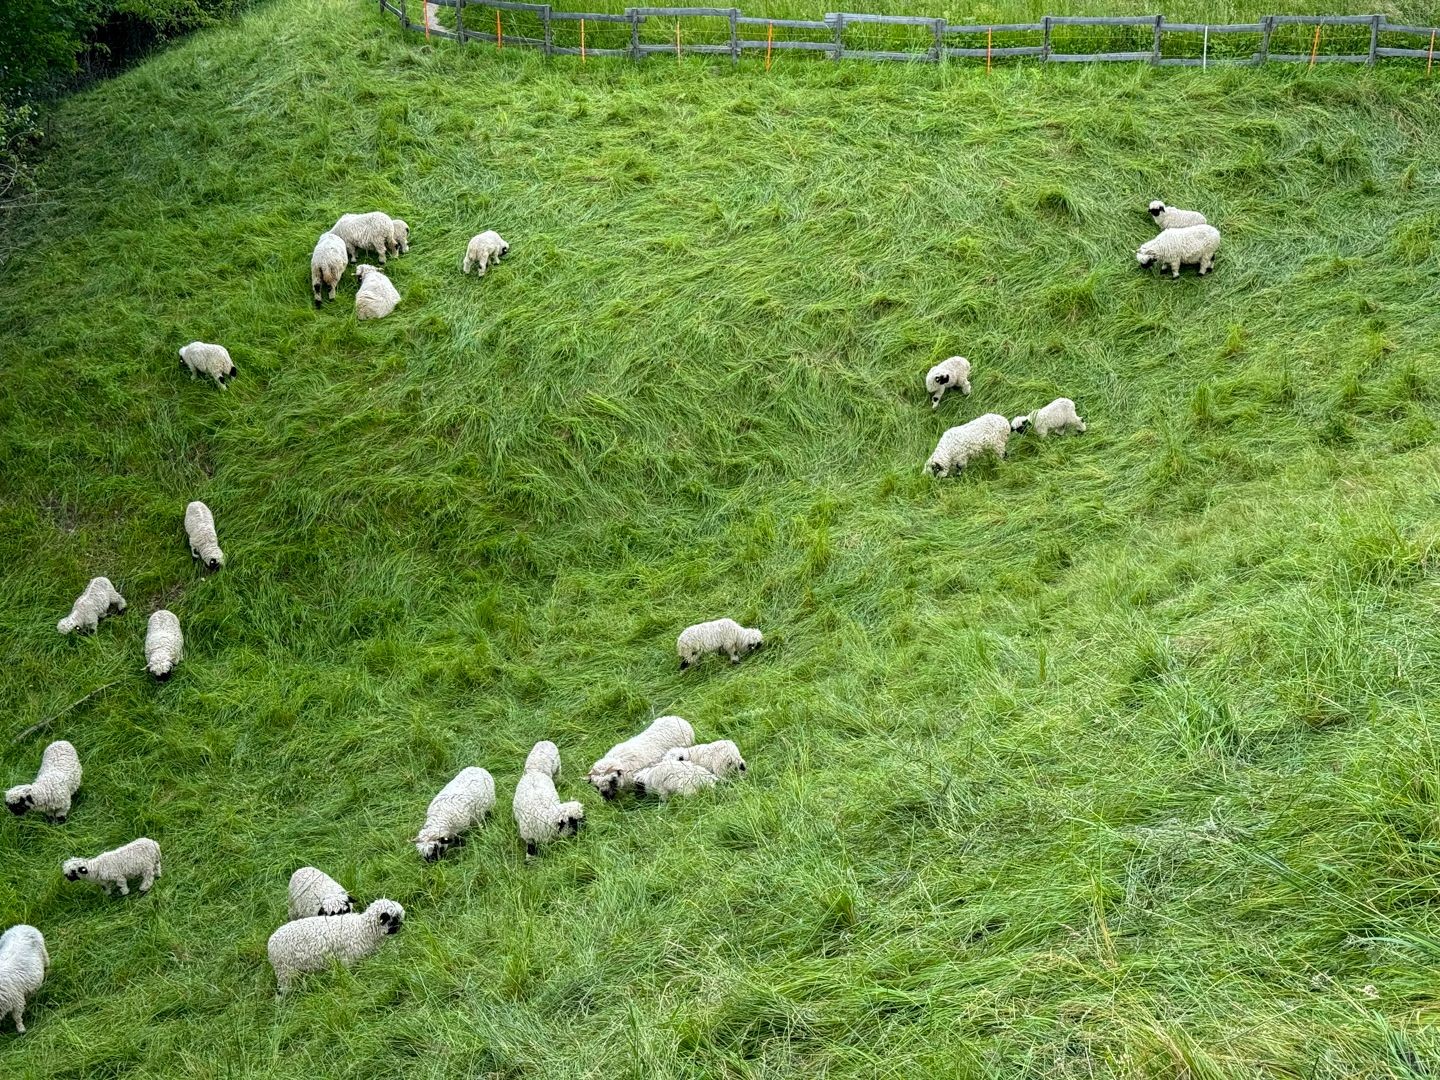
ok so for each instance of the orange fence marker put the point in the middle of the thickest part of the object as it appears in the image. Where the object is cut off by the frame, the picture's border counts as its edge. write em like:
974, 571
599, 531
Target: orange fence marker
499, 34
425, 10
582, 41
677, 39
989, 37
1429, 63
1315, 47
770, 41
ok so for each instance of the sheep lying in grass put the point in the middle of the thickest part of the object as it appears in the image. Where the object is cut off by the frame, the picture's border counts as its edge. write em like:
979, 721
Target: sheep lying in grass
310, 944
327, 264
23, 963
375, 232
1167, 217
484, 249
212, 360
540, 816
954, 372
716, 636
200, 529
164, 645
961, 445
314, 892
667, 779
616, 771
1059, 416
376, 296
1194, 244
54, 785
721, 758
99, 599
461, 804
137, 859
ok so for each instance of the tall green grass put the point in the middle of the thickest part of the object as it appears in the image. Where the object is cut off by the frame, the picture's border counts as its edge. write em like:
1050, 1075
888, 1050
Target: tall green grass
1115, 759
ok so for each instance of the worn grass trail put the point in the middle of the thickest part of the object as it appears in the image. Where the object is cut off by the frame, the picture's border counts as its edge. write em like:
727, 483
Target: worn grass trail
1117, 759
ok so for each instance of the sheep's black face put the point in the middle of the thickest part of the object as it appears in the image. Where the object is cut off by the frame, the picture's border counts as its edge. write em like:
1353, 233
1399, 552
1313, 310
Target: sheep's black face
1020, 427
755, 645
505, 250
213, 564
608, 786
1156, 210
162, 676
936, 468
19, 807
1144, 258
942, 380
742, 767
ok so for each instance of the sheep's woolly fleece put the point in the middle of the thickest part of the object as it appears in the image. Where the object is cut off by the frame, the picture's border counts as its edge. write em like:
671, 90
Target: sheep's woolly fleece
54, 785
540, 816
206, 359
716, 636
99, 599
374, 232
327, 264
961, 445
721, 757
377, 296
1195, 244
1168, 217
137, 859
615, 772
200, 529
23, 963
948, 374
670, 778
314, 892
164, 644
311, 944
460, 805
482, 250
1059, 416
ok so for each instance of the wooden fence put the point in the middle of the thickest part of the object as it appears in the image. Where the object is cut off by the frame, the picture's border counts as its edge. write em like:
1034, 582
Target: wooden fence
645, 31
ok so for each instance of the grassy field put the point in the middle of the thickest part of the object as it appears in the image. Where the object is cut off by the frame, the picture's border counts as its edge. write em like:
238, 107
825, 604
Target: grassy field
1116, 759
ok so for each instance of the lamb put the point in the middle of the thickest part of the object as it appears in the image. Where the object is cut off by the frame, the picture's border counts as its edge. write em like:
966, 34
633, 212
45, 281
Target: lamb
540, 816
314, 892
953, 372
461, 804
669, 778
200, 528
484, 249
310, 944
1193, 244
327, 264
375, 232
961, 445
721, 758
23, 963
716, 636
212, 360
1167, 217
99, 599
616, 771
137, 859
1059, 416
376, 296
164, 645
54, 785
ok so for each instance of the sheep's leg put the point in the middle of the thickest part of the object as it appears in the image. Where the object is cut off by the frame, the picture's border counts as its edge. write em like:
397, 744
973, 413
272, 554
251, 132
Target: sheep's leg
734, 658
467, 265
146, 880
965, 387
19, 1017
124, 887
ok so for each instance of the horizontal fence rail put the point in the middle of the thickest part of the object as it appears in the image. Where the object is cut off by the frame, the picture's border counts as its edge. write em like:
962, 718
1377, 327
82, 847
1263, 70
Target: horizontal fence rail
648, 31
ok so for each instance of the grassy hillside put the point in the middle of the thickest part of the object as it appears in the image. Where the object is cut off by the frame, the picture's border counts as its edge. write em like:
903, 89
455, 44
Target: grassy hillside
1115, 759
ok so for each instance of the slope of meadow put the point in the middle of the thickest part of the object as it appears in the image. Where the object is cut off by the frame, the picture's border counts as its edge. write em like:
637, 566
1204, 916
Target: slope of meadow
1115, 759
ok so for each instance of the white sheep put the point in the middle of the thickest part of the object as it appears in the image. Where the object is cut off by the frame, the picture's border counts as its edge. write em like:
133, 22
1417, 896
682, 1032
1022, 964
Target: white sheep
1059, 416
54, 785
616, 771
484, 249
205, 359
1167, 217
461, 804
23, 963
721, 758
954, 372
99, 599
374, 231
137, 859
327, 264
961, 445
716, 636
1193, 244
376, 296
314, 892
200, 529
164, 645
310, 944
540, 816
669, 778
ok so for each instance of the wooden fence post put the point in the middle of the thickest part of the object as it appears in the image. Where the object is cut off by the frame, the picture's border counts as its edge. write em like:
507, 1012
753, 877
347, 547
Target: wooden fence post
549, 42
839, 36
1268, 24
734, 36
1374, 39
939, 40
1045, 44
1159, 30
634, 33
459, 20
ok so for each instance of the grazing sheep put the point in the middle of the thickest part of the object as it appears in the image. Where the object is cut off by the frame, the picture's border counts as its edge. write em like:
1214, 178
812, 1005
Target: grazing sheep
23, 963
310, 944
669, 778
314, 892
721, 758
402, 237
954, 372
716, 636
137, 859
461, 804
53, 786
616, 771
1059, 416
327, 264
540, 816
1167, 217
1193, 244
200, 528
99, 599
370, 232
164, 645
961, 445
376, 296
211, 360
484, 249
